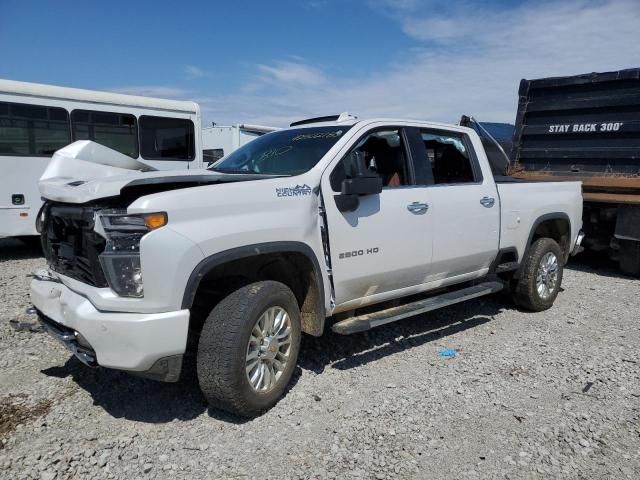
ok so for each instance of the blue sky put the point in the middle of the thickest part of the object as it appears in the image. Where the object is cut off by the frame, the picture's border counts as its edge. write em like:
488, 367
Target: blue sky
275, 61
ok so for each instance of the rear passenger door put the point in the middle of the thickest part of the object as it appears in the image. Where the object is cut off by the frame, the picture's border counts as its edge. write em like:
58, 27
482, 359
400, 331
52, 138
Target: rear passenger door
464, 208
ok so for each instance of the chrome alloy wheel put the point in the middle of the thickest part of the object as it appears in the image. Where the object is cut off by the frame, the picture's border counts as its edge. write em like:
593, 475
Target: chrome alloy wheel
547, 275
269, 349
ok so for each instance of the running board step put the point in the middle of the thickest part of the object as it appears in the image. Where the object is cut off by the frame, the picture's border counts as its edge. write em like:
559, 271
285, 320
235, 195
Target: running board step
393, 314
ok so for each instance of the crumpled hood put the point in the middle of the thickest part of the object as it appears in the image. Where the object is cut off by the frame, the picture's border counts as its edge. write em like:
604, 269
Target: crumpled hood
84, 171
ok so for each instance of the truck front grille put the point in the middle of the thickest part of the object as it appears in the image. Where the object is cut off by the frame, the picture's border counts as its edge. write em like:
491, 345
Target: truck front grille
70, 244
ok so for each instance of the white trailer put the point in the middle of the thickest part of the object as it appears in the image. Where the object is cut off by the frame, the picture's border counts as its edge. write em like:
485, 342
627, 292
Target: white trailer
36, 120
219, 140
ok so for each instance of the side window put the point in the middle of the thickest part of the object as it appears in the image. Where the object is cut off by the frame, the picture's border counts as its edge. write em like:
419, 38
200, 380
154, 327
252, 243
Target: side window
32, 129
448, 157
114, 130
384, 153
164, 138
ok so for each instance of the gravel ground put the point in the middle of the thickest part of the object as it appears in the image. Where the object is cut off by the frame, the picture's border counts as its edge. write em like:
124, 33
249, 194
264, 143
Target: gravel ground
553, 394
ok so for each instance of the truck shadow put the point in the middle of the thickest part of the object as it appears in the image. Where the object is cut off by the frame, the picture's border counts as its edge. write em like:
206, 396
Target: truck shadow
123, 395
596, 262
12, 249
345, 352
126, 396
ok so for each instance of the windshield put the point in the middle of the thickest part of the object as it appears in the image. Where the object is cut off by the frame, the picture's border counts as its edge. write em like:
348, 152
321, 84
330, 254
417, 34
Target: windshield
287, 152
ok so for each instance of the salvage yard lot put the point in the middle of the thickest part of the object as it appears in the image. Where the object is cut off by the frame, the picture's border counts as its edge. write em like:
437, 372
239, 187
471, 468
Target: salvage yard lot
527, 395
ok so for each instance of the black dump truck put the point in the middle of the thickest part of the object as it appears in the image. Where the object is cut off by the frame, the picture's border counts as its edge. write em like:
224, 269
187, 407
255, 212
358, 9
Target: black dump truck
587, 127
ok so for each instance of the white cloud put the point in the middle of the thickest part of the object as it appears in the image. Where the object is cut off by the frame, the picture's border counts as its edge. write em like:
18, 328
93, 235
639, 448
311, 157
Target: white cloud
159, 91
291, 74
466, 60
192, 72
315, 4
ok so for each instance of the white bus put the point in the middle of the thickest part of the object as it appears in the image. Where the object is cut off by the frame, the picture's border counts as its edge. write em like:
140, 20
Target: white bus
221, 140
36, 120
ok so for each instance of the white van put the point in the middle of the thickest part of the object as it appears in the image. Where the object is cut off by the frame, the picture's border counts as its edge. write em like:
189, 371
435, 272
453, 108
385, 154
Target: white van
36, 120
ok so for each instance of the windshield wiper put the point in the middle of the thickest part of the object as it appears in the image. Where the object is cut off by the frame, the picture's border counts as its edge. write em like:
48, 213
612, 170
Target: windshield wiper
230, 170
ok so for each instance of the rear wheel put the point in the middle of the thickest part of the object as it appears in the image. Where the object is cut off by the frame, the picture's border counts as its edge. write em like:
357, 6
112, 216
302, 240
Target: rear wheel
630, 257
248, 348
541, 276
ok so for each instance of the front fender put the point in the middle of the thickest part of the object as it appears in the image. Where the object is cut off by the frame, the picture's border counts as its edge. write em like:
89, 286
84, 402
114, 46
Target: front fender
218, 259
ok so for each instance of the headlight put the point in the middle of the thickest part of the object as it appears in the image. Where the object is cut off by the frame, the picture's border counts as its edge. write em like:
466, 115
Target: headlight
121, 257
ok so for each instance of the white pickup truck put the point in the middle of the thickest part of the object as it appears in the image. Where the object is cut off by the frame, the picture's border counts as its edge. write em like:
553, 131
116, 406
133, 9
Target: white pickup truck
333, 222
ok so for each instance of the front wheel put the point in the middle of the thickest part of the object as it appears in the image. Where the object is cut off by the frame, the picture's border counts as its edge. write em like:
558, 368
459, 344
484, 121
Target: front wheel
248, 348
539, 283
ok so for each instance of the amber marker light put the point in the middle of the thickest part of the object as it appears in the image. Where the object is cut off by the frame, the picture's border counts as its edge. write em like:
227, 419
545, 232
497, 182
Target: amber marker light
24, 214
155, 220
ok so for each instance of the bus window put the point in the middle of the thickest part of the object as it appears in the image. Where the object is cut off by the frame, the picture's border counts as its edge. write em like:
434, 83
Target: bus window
212, 155
114, 130
164, 138
32, 130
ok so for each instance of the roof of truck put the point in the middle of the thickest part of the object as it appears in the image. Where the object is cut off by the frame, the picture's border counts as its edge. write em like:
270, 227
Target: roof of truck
383, 120
347, 119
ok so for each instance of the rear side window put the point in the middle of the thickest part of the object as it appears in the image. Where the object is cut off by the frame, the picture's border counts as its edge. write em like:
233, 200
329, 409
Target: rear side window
164, 138
32, 129
114, 130
448, 157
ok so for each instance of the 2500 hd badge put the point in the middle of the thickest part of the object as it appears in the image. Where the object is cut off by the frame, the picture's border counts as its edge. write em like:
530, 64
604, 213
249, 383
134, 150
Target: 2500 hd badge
359, 253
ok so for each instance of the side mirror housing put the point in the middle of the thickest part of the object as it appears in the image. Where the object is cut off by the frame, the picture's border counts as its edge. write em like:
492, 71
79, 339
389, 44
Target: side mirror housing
369, 185
363, 182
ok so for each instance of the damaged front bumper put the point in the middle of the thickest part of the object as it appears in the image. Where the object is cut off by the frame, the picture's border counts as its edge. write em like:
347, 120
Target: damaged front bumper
147, 344
71, 339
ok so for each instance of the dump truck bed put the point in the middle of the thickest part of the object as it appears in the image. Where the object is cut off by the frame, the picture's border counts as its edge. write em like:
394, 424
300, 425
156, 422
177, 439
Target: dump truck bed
583, 127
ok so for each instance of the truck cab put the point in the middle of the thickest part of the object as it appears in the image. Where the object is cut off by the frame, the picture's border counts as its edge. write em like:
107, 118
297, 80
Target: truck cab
332, 223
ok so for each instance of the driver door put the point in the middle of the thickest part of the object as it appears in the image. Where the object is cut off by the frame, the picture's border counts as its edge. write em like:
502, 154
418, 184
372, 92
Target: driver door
385, 244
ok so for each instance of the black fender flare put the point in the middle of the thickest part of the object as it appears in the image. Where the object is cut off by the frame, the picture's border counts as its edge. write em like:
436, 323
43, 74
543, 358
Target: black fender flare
220, 258
541, 219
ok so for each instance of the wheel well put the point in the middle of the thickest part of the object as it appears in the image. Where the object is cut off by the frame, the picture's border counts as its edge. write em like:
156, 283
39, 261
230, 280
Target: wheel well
558, 229
294, 269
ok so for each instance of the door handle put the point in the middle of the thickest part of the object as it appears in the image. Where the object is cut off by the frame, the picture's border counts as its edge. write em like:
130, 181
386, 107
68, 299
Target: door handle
418, 208
487, 202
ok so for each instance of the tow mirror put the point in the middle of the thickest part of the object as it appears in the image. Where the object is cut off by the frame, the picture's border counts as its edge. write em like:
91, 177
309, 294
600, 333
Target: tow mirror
363, 182
362, 185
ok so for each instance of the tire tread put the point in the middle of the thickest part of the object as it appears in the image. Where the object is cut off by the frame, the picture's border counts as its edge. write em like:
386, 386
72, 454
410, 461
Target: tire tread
218, 347
525, 293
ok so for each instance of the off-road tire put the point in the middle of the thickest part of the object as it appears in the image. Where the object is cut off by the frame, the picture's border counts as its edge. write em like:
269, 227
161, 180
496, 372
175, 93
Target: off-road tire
630, 257
525, 292
222, 348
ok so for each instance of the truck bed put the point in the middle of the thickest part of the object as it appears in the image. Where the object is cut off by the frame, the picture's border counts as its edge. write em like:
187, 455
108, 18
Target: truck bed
519, 212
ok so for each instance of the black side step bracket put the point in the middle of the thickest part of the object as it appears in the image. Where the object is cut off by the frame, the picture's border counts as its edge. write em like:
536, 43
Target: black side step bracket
507, 267
393, 314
